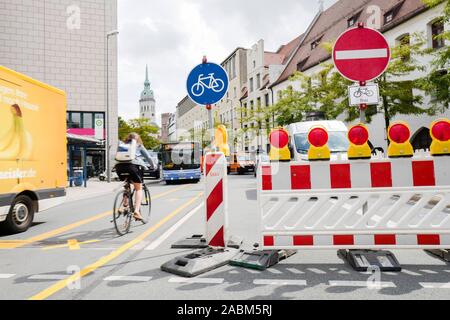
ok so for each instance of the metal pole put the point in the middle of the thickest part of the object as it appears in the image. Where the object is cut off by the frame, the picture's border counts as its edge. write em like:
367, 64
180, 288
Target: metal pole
362, 107
108, 140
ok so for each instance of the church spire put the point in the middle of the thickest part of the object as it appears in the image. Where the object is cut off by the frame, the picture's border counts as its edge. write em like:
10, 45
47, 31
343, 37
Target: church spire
147, 81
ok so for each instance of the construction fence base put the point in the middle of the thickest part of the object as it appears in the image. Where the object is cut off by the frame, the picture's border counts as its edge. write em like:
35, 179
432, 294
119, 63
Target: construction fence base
199, 242
443, 254
197, 263
365, 260
261, 260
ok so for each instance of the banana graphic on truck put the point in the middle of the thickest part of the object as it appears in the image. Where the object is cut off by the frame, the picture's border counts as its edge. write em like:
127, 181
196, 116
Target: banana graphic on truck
17, 142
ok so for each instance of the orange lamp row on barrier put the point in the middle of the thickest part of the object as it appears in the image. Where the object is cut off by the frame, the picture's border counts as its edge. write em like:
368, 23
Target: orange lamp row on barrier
399, 135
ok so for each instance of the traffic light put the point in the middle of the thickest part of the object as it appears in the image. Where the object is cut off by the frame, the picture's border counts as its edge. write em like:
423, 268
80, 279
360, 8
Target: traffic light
221, 140
318, 139
359, 146
400, 147
440, 133
279, 145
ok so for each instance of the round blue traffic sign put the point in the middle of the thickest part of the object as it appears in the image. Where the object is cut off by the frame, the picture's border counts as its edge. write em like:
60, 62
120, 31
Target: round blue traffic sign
207, 83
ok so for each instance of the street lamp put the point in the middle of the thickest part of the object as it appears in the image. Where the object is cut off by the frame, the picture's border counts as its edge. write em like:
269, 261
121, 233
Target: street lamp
108, 162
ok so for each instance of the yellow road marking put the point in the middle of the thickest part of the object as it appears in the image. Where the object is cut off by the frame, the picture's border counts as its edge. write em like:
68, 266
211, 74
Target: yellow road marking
71, 244
14, 244
60, 285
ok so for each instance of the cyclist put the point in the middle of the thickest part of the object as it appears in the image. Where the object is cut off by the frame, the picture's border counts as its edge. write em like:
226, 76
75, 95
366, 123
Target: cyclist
134, 171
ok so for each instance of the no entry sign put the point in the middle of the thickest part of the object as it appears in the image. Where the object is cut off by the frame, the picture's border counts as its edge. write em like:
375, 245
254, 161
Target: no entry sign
361, 54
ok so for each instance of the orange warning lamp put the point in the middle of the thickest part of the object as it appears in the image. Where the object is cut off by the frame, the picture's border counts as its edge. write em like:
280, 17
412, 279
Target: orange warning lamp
359, 142
400, 147
318, 139
221, 140
440, 133
279, 145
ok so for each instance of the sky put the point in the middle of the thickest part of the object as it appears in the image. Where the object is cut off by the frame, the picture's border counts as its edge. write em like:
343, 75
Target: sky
171, 37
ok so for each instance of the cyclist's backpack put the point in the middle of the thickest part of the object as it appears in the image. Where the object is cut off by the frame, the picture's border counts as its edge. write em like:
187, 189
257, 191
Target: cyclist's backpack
127, 153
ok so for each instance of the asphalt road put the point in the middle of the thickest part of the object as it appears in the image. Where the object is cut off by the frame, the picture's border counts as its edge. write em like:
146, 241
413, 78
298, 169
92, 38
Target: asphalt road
79, 236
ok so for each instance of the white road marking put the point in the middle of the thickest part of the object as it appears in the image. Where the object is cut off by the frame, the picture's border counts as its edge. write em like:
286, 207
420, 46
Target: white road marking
234, 272
295, 271
128, 278
253, 271
337, 283
155, 244
197, 280
343, 272
140, 246
411, 273
391, 273
269, 282
448, 271
317, 271
431, 285
429, 271
48, 277
6, 276
361, 54
274, 271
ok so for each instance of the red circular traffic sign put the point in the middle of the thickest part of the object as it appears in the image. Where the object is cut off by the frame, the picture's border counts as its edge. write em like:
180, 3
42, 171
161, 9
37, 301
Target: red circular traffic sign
361, 54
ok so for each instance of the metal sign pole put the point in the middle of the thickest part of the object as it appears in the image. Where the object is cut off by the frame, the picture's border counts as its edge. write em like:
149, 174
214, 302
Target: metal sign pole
362, 107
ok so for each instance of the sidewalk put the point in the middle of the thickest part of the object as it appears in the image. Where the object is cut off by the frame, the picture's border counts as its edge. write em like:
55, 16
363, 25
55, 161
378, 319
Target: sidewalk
94, 189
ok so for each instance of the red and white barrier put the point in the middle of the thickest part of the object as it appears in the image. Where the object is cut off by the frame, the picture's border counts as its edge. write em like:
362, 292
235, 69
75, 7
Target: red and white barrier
361, 204
216, 199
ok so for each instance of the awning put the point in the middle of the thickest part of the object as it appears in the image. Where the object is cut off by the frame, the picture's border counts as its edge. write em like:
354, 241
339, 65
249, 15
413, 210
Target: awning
83, 139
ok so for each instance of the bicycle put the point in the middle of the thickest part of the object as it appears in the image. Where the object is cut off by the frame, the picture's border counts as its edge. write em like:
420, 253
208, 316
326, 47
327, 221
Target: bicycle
123, 215
360, 92
216, 85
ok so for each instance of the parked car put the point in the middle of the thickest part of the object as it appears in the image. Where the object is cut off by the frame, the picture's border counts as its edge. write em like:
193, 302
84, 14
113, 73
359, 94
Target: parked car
152, 171
240, 163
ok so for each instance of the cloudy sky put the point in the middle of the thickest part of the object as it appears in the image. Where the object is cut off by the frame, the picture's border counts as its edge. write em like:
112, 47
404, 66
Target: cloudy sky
171, 36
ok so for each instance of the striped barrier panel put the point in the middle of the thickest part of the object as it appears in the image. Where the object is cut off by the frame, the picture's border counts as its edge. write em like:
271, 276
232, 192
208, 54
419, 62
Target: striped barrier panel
360, 204
216, 199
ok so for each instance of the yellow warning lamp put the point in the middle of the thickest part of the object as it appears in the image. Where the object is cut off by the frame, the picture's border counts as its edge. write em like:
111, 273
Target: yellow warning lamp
359, 147
400, 147
440, 133
318, 139
279, 145
221, 140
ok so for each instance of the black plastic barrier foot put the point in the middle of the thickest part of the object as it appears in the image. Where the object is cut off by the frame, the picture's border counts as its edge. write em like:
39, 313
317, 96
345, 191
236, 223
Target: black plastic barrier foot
363, 260
198, 242
261, 260
443, 254
199, 262
194, 242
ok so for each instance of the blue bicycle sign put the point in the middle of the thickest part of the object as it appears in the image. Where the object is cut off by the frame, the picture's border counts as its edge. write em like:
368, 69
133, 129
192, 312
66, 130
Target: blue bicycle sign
207, 83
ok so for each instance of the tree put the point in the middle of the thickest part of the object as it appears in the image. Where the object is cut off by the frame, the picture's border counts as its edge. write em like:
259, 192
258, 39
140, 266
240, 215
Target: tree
256, 115
437, 83
143, 127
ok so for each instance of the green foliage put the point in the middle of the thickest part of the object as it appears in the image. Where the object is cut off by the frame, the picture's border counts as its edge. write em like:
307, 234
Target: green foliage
143, 127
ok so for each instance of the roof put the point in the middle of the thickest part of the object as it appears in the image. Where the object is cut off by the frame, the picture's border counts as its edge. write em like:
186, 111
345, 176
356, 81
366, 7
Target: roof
334, 21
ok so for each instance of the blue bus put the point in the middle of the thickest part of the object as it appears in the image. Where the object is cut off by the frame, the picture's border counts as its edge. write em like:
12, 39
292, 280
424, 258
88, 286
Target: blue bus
181, 161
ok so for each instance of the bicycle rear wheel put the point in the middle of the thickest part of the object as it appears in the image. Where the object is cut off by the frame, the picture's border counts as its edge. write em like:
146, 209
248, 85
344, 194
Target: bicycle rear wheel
146, 206
122, 215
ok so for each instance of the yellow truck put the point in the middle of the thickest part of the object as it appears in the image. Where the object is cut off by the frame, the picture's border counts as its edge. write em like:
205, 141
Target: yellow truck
33, 152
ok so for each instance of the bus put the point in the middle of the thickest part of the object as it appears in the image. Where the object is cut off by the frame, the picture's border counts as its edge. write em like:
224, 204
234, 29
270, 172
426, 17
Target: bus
181, 162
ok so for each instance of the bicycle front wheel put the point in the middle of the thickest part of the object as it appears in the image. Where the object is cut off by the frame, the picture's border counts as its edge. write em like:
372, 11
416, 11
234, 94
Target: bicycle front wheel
146, 206
122, 214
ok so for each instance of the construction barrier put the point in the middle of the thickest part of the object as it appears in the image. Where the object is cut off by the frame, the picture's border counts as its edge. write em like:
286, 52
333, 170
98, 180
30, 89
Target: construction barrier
215, 199
356, 204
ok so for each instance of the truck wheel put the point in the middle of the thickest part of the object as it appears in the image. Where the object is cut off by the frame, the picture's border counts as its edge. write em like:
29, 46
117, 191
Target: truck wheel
20, 215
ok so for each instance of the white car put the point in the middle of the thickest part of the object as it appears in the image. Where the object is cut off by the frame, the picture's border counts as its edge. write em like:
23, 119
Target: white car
337, 132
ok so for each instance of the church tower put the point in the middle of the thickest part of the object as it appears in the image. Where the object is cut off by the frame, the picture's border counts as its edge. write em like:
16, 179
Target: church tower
147, 102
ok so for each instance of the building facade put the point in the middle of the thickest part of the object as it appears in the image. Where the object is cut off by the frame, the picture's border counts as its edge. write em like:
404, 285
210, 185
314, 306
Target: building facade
165, 118
64, 43
147, 103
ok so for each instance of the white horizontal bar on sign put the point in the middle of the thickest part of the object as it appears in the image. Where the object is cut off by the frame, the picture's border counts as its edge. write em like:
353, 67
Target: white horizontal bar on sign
361, 54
